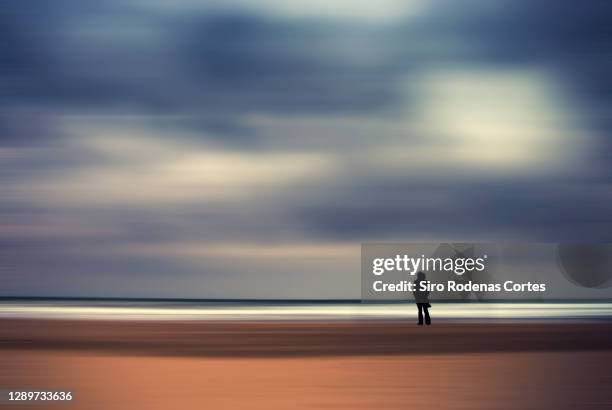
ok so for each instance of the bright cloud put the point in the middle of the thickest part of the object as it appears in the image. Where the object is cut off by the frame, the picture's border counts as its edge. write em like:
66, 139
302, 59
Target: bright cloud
142, 170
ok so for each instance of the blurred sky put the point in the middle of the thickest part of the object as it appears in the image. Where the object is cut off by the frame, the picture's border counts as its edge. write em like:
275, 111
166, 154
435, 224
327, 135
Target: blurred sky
176, 148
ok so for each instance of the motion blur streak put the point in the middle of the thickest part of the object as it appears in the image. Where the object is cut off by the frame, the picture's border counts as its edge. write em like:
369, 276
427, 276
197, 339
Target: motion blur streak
319, 312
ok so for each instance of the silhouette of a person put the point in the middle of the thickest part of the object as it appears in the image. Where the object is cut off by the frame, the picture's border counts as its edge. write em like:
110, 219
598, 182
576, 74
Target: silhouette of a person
421, 298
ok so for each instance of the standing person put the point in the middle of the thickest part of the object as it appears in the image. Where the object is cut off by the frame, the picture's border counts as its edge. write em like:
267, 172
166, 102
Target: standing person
421, 297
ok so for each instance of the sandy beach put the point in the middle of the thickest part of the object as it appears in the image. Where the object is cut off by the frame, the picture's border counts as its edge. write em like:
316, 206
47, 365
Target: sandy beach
339, 365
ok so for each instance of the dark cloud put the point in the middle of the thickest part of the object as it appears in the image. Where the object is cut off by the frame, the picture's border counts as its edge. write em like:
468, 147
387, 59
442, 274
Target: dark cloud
114, 59
212, 66
545, 211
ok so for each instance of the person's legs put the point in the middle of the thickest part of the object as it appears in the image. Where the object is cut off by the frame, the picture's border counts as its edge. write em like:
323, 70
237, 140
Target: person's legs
427, 318
420, 314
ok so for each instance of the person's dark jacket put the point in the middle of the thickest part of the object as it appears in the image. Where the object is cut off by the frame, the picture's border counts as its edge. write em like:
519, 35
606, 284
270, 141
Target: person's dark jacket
420, 296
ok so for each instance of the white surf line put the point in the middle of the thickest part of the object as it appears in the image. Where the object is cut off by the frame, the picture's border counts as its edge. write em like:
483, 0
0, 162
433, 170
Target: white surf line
309, 312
